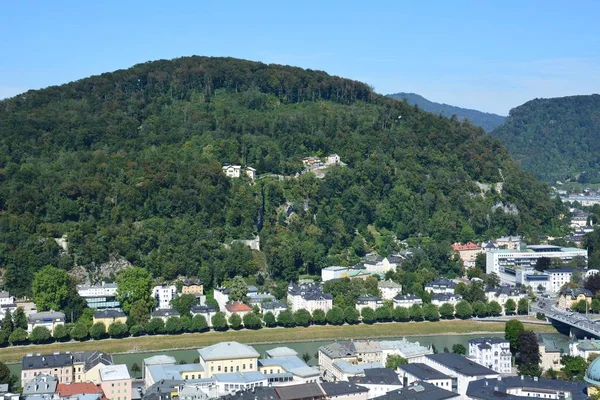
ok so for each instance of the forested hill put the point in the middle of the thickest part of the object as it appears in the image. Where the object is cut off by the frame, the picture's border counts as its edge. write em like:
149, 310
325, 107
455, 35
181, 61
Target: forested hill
556, 139
128, 164
487, 121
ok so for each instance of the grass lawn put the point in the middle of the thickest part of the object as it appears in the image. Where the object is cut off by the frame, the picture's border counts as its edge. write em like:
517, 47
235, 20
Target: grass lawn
278, 335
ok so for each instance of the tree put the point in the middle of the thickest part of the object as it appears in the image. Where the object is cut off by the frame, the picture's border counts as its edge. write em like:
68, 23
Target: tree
139, 313
117, 330
18, 336
6, 377
529, 354
416, 312
135, 368
351, 315
252, 321
581, 306
595, 306
219, 322
235, 322
155, 326
136, 330
383, 314
542, 264
494, 308
260, 280
306, 356
401, 314
302, 318
238, 291
286, 319
199, 323
510, 307
479, 309
523, 306
430, 312
319, 317
134, 285
463, 309
39, 334
574, 367
19, 318
52, 288
174, 325
80, 331
335, 316
98, 331
592, 283
270, 320
183, 304
512, 330
492, 280
368, 315
393, 361
459, 349
7, 323
60, 333
447, 311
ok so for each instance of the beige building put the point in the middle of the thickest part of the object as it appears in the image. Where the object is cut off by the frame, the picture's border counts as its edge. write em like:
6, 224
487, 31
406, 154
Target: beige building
108, 317
467, 252
87, 365
46, 319
568, 298
227, 357
66, 367
550, 354
193, 287
116, 382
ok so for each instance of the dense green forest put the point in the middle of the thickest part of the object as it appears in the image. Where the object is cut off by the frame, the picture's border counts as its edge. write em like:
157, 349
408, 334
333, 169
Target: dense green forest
129, 164
555, 139
487, 121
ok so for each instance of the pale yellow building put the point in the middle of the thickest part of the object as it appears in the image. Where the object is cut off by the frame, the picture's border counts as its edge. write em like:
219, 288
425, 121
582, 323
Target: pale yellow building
109, 317
570, 297
550, 354
87, 365
228, 357
193, 287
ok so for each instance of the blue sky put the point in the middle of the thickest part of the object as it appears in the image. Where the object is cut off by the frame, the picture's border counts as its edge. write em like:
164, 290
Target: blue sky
487, 55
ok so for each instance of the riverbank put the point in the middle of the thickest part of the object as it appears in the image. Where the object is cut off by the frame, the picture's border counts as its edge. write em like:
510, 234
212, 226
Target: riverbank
266, 336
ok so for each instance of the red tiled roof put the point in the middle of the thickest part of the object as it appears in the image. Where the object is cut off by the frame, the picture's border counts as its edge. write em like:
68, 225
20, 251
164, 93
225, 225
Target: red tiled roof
70, 389
468, 246
238, 307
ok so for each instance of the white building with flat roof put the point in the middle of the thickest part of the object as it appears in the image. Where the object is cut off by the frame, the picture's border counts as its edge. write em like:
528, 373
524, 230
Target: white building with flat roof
389, 289
333, 272
163, 295
491, 352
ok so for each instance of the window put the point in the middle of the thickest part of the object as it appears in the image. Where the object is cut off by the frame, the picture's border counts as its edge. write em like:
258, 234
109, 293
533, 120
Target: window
225, 369
243, 366
237, 368
219, 368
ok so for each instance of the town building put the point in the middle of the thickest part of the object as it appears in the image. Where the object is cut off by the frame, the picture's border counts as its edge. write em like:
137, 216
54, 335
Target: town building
274, 307
171, 371
389, 289
46, 319
584, 348
192, 287
368, 301
115, 382
236, 171
206, 311
412, 373
509, 242
309, 297
378, 381
334, 272
77, 390
460, 369
109, 317
492, 352
441, 286
282, 366
66, 367
165, 314
7, 299
520, 387
332, 159
238, 308
381, 265
467, 252
407, 301
511, 265
504, 293
256, 299
163, 295
441, 298
559, 277
550, 354
411, 351
221, 296
101, 296
420, 391
42, 386
227, 357
153, 361
568, 298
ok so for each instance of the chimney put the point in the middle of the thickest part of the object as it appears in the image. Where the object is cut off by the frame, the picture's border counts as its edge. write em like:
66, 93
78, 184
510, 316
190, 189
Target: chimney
495, 388
499, 378
522, 377
535, 378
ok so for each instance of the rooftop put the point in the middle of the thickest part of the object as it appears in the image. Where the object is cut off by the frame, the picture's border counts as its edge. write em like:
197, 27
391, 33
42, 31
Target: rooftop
159, 360
461, 365
170, 371
115, 372
389, 284
109, 314
497, 388
291, 364
333, 389
46, 316
420, 391
377, 376
422, 371
238, 307
302, 391
70, 389
240, 377
227, 350
56, 360
41, 384
165, 313
281, 352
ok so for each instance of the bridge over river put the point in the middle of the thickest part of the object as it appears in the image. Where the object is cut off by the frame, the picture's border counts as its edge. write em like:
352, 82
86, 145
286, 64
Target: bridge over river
574, 324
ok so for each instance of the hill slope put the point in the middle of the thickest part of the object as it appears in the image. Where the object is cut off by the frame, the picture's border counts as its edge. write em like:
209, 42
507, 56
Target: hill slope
128, 164
487, 121
555, 139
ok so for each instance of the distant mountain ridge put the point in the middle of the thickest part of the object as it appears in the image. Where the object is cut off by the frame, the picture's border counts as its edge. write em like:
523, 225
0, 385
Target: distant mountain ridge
487, 121
555, 139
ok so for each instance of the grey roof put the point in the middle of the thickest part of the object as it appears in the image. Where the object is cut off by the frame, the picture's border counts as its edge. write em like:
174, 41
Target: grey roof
168, 312
4, 294
461, 364
170, 371
257, 393
38, 361
394, 259
281, 352
485, 340
159, 360
272, 305
496, 388
116, 372
342, 388
559, 270
302, 391
41, 384
3, 387
388, 284
576, 292
225, 350
422, 372
441, 283
92, 358
309, 291
197, 309
407, 297
366, 299
290, 364
377, 376
240, 377
46, 316
162, 389
420, 391
192, 283
444, 297
109, 314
